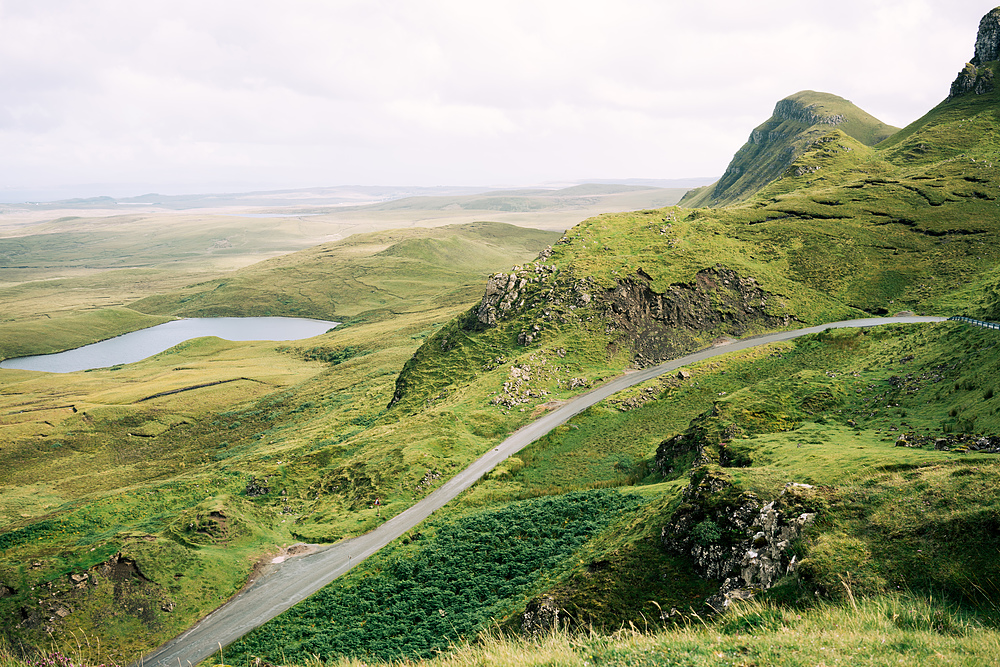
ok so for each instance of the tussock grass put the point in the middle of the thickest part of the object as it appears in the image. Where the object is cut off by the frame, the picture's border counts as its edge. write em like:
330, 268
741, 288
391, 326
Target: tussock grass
891, 630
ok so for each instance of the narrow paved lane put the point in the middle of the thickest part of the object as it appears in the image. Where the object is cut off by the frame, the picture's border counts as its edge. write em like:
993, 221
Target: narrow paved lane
298, 578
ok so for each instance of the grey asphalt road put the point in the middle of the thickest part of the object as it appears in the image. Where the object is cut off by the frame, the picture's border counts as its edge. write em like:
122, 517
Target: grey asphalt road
297, 578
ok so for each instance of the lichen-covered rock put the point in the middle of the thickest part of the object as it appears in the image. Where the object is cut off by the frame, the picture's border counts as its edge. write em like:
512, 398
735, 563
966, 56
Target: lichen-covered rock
988, 39
505, 292
977, 76
972, 79
767, 559
711, 524
542, 616
732, 538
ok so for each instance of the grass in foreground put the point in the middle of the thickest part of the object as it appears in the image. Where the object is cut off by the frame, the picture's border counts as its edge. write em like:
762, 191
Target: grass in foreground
894, 630
899, 630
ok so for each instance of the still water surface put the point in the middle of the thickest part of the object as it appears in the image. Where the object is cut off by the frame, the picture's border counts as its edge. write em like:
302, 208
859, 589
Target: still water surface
138, 345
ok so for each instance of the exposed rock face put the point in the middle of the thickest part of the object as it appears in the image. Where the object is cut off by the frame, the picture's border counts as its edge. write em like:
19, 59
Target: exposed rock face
656, 326
977, 77
664, 326
972, 80
505, 292
711, 525
734, 538
541, 616
988, 39
789, 109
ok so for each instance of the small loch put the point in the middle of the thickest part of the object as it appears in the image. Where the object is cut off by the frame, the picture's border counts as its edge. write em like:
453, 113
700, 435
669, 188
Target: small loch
139, 345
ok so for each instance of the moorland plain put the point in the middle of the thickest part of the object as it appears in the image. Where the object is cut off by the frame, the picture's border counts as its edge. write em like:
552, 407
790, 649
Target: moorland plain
78, 268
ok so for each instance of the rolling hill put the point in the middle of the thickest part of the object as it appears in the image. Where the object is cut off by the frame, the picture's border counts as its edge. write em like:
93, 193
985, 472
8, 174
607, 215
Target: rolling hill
835, 496
798, 121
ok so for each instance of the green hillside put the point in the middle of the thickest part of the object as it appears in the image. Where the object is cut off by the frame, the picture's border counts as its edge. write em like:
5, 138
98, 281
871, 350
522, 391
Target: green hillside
828, 500
798, 122
367, 275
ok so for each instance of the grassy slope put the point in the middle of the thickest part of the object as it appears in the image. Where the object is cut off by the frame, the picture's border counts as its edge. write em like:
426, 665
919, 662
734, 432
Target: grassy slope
378, 274
779, 140
328, 446
905, 232
96, 468
888, 513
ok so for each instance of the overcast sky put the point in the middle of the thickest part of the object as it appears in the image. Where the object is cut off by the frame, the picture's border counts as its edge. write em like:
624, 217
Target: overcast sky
124, 96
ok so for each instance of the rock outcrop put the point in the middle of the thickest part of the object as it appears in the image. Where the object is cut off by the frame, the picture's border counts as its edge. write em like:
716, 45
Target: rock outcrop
977, 75
972, 79
503, 293
792, 109
656, 326
734, 538
542, 616
663, 326
988, 39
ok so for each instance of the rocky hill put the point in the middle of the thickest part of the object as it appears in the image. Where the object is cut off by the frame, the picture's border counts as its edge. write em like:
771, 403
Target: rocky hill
797, 122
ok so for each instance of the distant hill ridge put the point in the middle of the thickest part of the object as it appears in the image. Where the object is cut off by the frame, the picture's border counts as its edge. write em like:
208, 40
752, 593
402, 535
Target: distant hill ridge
797, 122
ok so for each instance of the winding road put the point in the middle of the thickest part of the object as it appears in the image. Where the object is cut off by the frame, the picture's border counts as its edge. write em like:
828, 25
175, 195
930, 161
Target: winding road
297, 578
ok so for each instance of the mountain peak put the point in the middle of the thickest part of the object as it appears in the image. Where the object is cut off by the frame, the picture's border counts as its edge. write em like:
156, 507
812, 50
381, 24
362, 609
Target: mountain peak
977, 75
797, 122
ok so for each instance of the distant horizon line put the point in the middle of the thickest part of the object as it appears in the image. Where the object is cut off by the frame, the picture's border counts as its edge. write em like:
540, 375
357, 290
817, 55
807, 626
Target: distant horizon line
124, 192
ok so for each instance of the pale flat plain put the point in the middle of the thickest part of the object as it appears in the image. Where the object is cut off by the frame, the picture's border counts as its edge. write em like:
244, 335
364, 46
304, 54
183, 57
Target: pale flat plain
69, 257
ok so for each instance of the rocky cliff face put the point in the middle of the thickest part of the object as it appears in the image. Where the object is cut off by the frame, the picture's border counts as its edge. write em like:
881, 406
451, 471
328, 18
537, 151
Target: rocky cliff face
655, 326
663, 326
977, 75
791, 109
736, 539
988, 39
